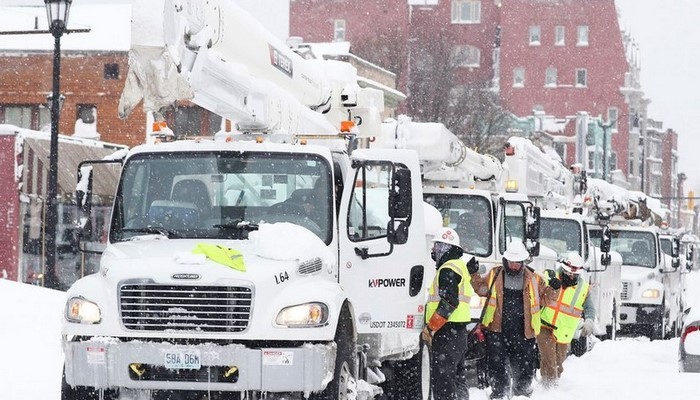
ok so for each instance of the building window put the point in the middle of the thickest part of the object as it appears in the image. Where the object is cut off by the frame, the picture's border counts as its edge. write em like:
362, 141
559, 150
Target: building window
28, 116
559, 35
581, 77
111, 71
613, 115
339, 30
534, 35
519, 77
86, 113
466, 11
591, 160
466, 56
612, 162
582, 37
550, 77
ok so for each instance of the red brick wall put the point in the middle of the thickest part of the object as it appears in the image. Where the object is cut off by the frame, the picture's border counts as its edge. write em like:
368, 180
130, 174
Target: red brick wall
604, 58
9, 210
27, 79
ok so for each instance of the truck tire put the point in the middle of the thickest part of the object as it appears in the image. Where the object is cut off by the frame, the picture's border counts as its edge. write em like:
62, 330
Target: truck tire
69, 392
409, 379
345, 360
658, 329
579, 346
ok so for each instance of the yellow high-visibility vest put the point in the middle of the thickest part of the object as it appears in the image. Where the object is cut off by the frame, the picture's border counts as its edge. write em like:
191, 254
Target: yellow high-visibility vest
565, 312
463, 312
535, 309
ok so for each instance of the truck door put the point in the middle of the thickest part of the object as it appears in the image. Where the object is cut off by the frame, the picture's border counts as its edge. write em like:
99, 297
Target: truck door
382, 240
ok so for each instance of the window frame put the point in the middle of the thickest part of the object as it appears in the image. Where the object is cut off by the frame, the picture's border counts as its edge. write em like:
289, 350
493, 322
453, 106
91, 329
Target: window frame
519, 77
548, 75
465, 53
339, 32
577, 83
474, 12
535, 35
613, 118
559, 35
582, 35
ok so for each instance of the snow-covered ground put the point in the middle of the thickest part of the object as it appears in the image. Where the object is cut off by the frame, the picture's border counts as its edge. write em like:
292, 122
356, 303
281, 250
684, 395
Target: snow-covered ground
635, 369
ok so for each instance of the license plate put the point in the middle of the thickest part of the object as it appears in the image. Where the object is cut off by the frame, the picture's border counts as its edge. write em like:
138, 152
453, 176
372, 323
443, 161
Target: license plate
190, 359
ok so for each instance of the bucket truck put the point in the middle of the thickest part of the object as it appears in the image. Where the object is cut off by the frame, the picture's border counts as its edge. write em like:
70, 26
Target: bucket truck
467, 188
651, 283
250, 266
564, 226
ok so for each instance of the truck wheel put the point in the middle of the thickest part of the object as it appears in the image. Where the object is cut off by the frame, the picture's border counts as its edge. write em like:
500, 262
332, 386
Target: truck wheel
69, 392
344, 374
579, 346
410, 379
658, 329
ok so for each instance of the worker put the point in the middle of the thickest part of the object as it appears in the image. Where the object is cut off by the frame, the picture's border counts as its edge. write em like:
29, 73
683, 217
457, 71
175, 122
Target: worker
562, 317
447, 313
514, 295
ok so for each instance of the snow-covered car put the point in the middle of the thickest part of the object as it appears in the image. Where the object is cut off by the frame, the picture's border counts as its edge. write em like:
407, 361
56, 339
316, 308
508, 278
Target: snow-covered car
689, 345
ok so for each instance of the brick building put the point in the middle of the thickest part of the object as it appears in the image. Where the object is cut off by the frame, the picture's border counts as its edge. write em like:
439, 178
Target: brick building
558, 57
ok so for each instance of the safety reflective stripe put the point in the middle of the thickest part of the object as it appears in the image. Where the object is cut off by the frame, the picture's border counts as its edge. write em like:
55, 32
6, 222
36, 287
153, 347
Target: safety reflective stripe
462, 312
535, 308
565, 313
492, 300
560, 306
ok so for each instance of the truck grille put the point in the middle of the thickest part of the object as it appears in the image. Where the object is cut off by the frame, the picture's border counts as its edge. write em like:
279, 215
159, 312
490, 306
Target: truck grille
626, 291
152, 307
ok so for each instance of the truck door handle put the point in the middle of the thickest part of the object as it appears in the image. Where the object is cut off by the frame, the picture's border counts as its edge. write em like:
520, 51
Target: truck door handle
415, 282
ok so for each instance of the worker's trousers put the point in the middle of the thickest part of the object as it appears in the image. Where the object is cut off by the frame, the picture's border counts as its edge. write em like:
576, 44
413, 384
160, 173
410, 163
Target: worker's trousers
552, 356
449, 345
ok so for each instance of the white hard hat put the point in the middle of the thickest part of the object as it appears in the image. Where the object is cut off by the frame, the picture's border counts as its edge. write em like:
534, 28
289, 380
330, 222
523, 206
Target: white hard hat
447, 235
572, 263
516, 252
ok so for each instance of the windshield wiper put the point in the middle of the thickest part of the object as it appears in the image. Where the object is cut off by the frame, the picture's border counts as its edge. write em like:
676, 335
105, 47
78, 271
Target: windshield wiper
239, 230
158, 230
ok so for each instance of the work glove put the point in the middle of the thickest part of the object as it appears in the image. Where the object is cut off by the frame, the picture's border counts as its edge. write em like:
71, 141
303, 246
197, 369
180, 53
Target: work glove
554, 282
427, 335
587, 328
473, 265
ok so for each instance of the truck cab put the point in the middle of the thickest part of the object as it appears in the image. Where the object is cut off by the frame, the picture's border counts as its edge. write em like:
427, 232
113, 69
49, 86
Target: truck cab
645, 297
248, 267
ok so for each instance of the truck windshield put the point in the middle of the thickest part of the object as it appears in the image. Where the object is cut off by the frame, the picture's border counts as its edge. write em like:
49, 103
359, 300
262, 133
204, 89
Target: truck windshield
560, 235
221, 194
636, 247
471, 218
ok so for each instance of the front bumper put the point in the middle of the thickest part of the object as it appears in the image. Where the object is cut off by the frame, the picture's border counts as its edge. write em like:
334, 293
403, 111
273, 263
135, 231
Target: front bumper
109, 362
640, 313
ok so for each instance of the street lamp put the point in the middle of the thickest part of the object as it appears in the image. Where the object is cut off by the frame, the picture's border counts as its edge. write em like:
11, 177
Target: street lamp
57, 13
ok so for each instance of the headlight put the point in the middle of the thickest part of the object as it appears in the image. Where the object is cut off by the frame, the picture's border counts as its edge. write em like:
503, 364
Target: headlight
303, 315
82, 311
651, 294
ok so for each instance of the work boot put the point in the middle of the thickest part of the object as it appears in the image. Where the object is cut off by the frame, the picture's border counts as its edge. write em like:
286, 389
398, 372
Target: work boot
526, 391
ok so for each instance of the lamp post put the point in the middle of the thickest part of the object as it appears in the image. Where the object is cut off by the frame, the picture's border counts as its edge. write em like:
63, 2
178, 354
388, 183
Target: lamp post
605, 128
57, 13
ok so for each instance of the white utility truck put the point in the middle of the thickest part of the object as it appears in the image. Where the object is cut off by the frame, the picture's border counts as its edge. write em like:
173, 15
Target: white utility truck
468, 189
564, 224
282, 260
650, 297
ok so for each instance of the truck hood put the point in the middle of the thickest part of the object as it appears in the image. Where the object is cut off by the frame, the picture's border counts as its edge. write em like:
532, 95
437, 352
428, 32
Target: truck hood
271, 248
636, 274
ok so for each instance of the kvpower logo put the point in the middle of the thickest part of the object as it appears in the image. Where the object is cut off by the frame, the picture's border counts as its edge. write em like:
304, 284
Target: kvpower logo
387, 282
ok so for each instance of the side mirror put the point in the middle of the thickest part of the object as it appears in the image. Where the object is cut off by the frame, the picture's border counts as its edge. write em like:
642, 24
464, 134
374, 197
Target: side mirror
400, 194
675, 247
532, 224
605, 240
605, 260
83, 196
675, 263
